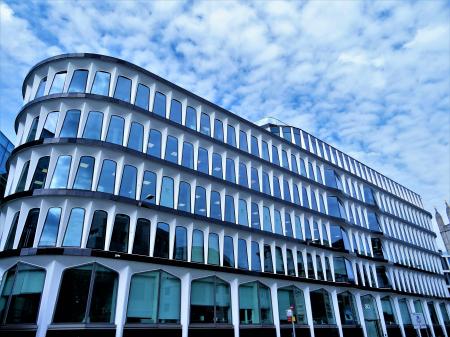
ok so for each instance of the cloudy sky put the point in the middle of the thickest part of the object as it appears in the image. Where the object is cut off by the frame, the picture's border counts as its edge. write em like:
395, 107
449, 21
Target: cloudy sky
371, 78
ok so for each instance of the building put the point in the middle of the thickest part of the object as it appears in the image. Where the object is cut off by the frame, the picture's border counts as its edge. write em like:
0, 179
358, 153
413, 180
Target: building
444, 228
6, 146
134, 207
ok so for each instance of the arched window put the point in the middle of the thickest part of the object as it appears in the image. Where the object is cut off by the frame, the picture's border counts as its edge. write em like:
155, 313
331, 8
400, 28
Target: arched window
276, 187
123, 89
268, 262
20, 295
347, 308
231, 135
159, 104
90, 292
166, 196
180, 249
265, 150
191, 118
202, 160
70, 125
305, 199
322, 307
184, 197
210, 301
175, 111
96, 238
161, 248
255, 222
58, 83
128, 183
389, 314
243, 144
275, 155
74, 229
267, 220
215, 211
187, 158
141, 244
230, 171
254, 146
343, 271
228, 252
107, 178
229, 209
40, 173
266, 183
288, 225
93, 127
213, 249
205, 124
78, 81
242, 213
217, 165
290, 262
300, 264
50, 228
154, 298
101, 83
278, 225
148, 190
279, 261
255, 304
285, 160
335, 207
29, 229
200, 201
256, 256
242, 254
119, 236
198, 249
61, 173
49, 129
171, 149
243, 179
254, 179
83, 178
289, 297
154, 143
115, 130
142, 96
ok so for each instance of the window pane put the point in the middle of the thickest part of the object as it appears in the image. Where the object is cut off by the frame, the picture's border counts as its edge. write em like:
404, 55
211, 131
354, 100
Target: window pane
217, 165
32, 135
275, 155
78, 82
61, 173
101, 83
184, 197
83, 179
141, 244
123, 89
278, 225
166, 196
136, 136
70, 125
172, 149
243, 179
291, 297
40, 174
51, 227
268, 263
276, 187
231, 135
142, 96
205, 124
200, 201
103, 296
255, 147
49, 129
191, 118
29, 229
107, 178
229, 209
58, 83
119, 236
242, 254
169, 299
154, 143
187, 159
267, 220
202, 300
197, 254
12, 233
243, 145
265, 151
255, 216
143, 298
41, 88
148, 191
175, 111
115, 130
279, 264
162, 241
256, 258
242, 213
128, 184
228, 252
347, 309
93, 127
213, 249
159, 105
322, 309
96, 239
202, 160
74, 228
230, 170
180, 251
23, 177
215, 206
218, 130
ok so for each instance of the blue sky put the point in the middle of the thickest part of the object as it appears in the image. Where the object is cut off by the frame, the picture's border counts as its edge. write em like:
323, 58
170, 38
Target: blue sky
371, 78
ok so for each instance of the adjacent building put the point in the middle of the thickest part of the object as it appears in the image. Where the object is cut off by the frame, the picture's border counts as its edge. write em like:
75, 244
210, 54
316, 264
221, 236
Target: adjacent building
134, 207
6, 147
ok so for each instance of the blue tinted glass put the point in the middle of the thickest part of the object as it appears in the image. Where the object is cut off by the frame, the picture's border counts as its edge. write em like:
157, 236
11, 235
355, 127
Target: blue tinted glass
316, 234
166, 196
148, 191
231, 135
101, 83
279, 263
61, 174
243, 179
128, 184
180, 251
254, 146
294, 164
255, 179
242, 254
230, 171
213, 249
49, 129
74, 229
265, 151
216, 209
288, 225
296, 195
50, 229
83, 179
287, 133
266, 183
136, 137
334, 207
142, 96
228, 252
202, 160
154, 143
308, 236
229, 209
267, 220
256, 258
302, 167
187, 159
297, 137
171, 149
286, 190
314, 201
242, 213
298, 228
200, 201
278, 225
161, 248
218, 130
184, 197
275, 155
23, 177
255, 216
175, 111
217, 165
311, 171
191, 118
305, 199
70, 125
58, 83
322, 203
93, 127
285, 159
159, 106
205, 124
115, 130
107, 178
319, 174
276, 187
123, 89
78, 82
305, 140
243, 145
41, 88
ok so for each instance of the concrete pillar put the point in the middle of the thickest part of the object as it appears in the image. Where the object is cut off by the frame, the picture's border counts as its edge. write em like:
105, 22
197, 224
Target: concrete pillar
234, 289
337, 317
399, 316
122, 300
276, 314
360, 310
380, 314
185, 303
309, 310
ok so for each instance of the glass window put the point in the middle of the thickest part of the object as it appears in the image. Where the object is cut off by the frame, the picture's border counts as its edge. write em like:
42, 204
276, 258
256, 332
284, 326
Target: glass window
285, 159
61, 173
231, 135
292, 297
187, 158
268, 263
166, 196
191, 118
202, 160
374, 224
444, 313
175, 111
300, 264
242, 213
228, 252
278, 225
49, 129
215, 211
205, 124
294, 164
230, 171
322, 308
154, 143
40, 173
229, 209
276, 187
316, 234
310, 264
159, 105
90, 292
33, 129
308, 235
148, 191
243, 145
161, 248
180, 249
58, 83
325, 240
314, 201
217, 165
218, 130
319, 175
142, 96
21, 291
265, 151
302, 167
101, 83
404, 312
200, 201
93, 127
210, 301
286, 191
433, 313
97, 233
267, 220
198, 249
243, 179
298, 228
12, 232
368, 195
255, 305
83, 179
254, 179
279, 263
275, 155
242, 254
254, 146
290, 262
213, 249
154, 298
171, 149
288, 225
70, 125
78, 82
184, 197
266, 183
343, 271
339, 238
255, 216
107, 178
388, 311
50, 228
328, 269
123, 89
136, 136
256, 258
347, 308
119, 236
141, 244
74, 229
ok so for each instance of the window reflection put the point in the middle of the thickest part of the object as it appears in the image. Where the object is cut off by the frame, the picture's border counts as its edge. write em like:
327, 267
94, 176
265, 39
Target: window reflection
202, 160
154, 143
218, 130
187, 159
115, 130
255, 305
142, 96
243, 145
136, 137
228, 252
159, 105
141, 244
175, 111
33, 128
215, 206
50, 228
148, 190
213, 249
61, 173
191, 118
231, 135
83, 178
255, 256
291, 297
322, 308
123, 89
58, 83
119, 236
93, 127
41, 87
101, 83
197, 253
70, 125
184, 197
166, 196
200, 201
9, 244
171, 149
49, 129
229, 209
205, 124
161, 248
78, 82
107, 178
347, 309
74, 229
40, 173
217, 165
230, 171
29, 229
180, 249
97, 232
242, 254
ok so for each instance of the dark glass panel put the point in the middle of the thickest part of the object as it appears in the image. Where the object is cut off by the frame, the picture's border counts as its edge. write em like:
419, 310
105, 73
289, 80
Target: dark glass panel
228, 252
97, 233
40, 173
119, 236
74, 229
23, 177
180, 250
29, 229
141, 244
256, 257
49, 129
161, 248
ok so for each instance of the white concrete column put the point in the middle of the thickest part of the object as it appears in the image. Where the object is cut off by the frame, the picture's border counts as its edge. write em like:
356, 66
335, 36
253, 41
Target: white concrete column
399, 316
308, 310
337, 317
380, 314
185, 303
234, 289
427, 315
122, 300
440, 318
276, 314
360, 310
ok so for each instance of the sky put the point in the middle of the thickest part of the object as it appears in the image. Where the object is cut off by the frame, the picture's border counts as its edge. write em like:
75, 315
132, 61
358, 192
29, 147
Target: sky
369, 77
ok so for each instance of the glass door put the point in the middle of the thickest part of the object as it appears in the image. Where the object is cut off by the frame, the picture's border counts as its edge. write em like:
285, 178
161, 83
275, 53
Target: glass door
371, 319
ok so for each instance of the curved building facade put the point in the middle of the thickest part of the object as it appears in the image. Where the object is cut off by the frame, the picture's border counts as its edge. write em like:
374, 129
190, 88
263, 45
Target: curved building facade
136, 208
